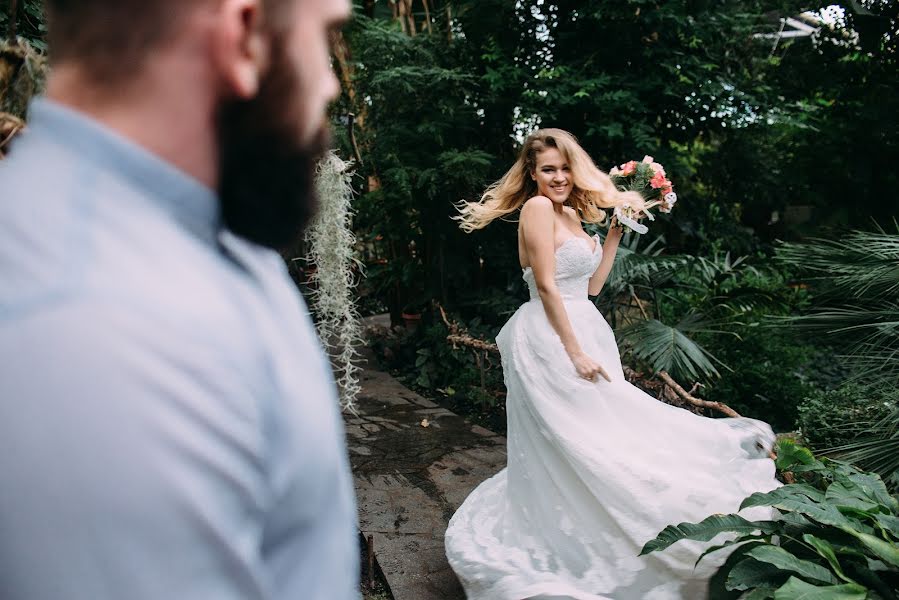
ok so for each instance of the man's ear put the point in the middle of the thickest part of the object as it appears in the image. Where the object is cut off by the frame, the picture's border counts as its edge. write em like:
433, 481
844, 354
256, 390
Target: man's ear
239, 46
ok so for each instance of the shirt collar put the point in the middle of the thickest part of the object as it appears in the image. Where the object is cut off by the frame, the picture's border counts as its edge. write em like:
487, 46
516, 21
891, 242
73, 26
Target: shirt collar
191, 203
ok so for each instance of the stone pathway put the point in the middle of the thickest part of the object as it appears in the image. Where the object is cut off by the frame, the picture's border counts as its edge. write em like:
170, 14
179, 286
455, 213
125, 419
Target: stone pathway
413, 464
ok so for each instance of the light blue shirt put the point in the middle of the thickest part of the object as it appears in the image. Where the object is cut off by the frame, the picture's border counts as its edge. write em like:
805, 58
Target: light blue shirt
169, 428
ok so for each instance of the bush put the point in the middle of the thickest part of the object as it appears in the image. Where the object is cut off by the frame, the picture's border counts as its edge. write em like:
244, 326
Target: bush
767, 377
425, 360
833, 418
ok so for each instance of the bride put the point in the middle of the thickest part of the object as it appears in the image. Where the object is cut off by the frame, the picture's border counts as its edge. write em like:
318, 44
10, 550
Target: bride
596, 467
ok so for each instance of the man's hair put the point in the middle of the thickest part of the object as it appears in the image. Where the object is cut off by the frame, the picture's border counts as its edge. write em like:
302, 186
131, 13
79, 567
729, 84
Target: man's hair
112, 38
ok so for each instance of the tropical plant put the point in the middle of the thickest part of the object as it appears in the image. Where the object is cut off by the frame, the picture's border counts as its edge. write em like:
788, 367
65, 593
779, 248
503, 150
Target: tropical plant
835, 536
857, 282
668, 308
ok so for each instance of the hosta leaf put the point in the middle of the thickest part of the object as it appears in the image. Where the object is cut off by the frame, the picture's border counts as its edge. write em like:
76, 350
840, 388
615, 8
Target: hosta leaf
851, 497
827, 551
884, 550
826, 514
874, 488
740, 540
762, 593
718, 582
796, 589
785, 561
750, 573
706, 530
798, 491
797, 520
890, 524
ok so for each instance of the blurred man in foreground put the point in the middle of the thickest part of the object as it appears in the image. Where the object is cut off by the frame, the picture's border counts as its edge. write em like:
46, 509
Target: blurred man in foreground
169, 427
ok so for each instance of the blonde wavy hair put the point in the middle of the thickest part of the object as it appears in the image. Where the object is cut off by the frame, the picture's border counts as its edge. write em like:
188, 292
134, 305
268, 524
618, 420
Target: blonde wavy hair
592, 191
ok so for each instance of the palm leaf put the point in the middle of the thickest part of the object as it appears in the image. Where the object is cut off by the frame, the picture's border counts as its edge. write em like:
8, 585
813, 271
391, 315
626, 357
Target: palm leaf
669, 348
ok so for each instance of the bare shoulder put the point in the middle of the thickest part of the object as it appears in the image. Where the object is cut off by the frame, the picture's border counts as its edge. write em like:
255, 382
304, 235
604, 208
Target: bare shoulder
537, 205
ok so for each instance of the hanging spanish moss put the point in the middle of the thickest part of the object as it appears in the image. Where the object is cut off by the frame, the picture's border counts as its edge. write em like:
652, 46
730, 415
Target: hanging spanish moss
330, 247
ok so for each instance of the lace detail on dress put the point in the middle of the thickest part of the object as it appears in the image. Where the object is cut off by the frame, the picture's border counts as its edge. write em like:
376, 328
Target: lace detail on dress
575, 264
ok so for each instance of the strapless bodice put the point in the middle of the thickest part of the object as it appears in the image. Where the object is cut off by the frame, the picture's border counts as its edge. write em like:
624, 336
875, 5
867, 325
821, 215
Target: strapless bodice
575, 264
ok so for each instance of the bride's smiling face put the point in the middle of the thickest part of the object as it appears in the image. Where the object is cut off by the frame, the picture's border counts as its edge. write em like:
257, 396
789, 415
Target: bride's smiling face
553, 175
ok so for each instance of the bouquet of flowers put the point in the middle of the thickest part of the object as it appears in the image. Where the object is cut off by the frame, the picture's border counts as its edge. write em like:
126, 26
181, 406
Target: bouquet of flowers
648, 179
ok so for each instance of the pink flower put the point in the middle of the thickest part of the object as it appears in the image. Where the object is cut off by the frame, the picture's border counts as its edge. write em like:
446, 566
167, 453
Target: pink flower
658, 180
628, 168
657, 168
648, 159
667, 189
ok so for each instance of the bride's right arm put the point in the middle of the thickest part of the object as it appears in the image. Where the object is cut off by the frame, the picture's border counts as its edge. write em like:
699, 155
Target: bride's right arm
537, 223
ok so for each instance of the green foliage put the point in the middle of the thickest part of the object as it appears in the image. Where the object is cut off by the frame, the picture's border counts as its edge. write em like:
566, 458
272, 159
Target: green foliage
835, 535
30, 22
768, 373
856, 279
419, 140
702, 319
828, 419
749, 129
428, 362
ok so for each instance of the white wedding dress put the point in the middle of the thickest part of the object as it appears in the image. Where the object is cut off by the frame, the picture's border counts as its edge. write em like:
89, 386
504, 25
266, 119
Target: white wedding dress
597, 469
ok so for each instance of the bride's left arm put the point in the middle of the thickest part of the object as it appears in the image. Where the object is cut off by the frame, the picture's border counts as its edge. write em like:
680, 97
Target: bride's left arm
609, 249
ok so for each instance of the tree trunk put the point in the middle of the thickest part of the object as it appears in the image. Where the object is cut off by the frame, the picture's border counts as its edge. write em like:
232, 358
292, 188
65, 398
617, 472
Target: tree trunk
449, 23
427, 16
341, 51
407, 19
13, 13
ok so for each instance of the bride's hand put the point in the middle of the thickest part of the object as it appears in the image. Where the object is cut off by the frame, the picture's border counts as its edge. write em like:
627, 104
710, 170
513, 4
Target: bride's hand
588, 368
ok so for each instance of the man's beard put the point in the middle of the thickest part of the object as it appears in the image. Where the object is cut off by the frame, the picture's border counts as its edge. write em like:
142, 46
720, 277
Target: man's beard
266, 174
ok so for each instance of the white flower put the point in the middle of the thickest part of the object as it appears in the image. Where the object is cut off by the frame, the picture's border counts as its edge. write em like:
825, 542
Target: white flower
671, 198
615, 171
648, 159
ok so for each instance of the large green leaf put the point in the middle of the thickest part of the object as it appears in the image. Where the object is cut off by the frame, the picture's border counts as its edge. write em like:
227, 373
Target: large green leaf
851, 497
826, 514
786, 561
882, 549
796, 589
736, 541
873, 487
750, 573
762, 593
718, 589
827, 551
890, 524
793, 491
706, 530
